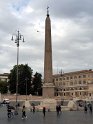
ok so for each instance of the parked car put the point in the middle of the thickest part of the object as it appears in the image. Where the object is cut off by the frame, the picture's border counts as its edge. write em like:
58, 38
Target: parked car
5, 101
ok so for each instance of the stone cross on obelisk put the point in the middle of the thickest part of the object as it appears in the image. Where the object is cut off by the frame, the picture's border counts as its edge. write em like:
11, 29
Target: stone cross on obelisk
48, 87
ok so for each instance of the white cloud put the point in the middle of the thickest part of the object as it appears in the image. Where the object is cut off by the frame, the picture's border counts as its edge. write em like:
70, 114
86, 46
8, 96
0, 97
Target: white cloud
28, 10
72, 33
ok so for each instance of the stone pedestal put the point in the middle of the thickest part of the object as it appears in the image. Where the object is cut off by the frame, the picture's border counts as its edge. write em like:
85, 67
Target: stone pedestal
50, 104
72, 105
27, 104
48, 90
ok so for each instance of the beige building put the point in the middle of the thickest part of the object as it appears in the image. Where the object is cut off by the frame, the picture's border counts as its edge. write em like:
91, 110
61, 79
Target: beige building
4, 77
78, 84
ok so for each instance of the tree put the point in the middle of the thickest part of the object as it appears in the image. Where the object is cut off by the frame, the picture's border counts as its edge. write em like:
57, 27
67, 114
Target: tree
37, 84
3, 87
24, 77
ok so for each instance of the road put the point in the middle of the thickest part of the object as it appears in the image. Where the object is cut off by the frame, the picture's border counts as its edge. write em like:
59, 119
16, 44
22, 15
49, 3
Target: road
66, 117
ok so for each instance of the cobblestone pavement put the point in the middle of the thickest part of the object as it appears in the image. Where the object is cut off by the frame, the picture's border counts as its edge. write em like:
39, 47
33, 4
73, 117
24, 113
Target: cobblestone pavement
66, 117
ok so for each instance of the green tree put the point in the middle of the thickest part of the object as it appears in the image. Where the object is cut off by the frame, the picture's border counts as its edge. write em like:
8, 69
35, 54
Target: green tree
24, 78
3, 87
37, 84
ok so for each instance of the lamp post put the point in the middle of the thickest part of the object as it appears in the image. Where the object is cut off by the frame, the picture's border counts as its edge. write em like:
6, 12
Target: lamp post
17, 38
8, 92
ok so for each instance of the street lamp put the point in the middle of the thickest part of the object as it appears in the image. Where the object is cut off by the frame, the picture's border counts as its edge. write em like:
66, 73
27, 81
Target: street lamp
8, 92
17, 38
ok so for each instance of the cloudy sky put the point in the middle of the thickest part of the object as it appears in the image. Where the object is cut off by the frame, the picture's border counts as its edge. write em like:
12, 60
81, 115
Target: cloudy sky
72, 34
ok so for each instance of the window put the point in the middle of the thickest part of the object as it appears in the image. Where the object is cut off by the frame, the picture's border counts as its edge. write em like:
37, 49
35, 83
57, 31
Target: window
60, 79
75, 82
80, 88
79, 76
67, 78
75, 77
71, 77
84, 82
63, 78
67, 89
56, 79
85, 93
71, 83
79, 82
71, 88
90, 94
84, 76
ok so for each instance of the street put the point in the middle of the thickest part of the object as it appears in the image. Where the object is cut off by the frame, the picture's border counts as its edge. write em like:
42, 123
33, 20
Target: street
66, 117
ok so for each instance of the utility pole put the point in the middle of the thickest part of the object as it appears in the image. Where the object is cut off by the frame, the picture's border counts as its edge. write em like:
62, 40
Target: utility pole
26, 87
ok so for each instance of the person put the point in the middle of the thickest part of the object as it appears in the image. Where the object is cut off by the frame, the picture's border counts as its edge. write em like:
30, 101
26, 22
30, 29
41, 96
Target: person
8, 111
12, 111
18, 104
90, 107
57, 110
23, 113
33, 109
44, 111
85, 108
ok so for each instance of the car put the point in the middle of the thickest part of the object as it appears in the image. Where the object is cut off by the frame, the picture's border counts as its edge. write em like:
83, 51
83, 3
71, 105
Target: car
5, 101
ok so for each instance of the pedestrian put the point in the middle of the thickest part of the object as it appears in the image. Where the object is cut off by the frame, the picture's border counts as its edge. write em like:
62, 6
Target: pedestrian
24, 113
85, 109
33, 109
44, 111
8, 111
57, 110
12, 111
18, 104
90, 108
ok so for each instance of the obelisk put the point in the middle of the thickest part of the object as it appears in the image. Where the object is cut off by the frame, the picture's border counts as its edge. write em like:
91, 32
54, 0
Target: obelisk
48, 87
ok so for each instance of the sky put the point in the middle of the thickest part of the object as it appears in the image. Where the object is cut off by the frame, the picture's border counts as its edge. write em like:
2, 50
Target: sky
71, 30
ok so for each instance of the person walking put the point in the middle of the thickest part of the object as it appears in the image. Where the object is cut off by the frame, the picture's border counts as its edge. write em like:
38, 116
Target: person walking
44, 111
57, 110
85, 108
24, 113
8, 111
33, 109
12, 111
90, 107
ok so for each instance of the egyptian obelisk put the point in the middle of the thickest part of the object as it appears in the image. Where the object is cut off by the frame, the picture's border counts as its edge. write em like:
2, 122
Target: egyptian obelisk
48, 87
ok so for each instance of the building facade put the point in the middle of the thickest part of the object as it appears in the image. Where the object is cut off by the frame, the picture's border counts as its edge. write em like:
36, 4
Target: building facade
4, 77
74, 85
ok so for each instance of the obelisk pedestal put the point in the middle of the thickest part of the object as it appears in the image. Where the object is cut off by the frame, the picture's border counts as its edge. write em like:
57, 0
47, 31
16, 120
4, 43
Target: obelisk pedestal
48, 90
